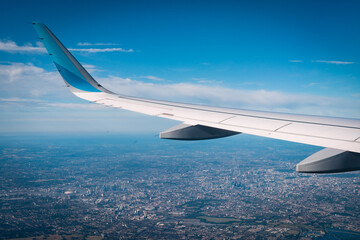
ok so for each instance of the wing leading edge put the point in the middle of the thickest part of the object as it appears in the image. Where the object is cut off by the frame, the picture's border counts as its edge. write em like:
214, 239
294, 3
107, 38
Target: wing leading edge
204, 122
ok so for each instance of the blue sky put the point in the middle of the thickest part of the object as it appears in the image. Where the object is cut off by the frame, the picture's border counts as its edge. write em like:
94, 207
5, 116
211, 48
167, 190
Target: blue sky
285, 56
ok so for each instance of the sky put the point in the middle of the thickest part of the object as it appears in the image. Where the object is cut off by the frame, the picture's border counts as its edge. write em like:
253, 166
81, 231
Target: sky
284, 56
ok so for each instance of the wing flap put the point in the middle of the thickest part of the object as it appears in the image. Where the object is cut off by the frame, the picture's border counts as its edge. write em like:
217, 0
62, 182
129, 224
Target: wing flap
322, 131
256, 122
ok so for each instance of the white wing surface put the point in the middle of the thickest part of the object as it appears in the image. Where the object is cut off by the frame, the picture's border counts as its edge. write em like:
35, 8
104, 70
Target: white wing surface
204, 122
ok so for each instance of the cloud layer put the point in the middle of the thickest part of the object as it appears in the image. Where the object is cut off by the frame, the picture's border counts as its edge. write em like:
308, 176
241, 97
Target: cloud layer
218, 95
28, 84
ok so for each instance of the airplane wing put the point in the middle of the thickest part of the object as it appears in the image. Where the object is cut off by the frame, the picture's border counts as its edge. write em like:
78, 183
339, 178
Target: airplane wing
339, 136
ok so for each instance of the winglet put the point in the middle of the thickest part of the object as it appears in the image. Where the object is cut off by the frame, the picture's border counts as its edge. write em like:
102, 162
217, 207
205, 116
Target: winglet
73, 73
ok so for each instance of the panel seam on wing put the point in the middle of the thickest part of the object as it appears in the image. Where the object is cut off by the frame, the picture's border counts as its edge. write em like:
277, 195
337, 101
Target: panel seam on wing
282, 127
137, 102
226, 119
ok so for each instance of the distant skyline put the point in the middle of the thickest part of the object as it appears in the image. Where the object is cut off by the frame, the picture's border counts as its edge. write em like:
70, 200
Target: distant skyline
298, 57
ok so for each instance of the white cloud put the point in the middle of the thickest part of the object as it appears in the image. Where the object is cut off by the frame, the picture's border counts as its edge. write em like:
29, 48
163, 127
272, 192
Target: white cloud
13, 47
152, 78
92, 68
16, 99
323, 61
205, 80
96, 50
89, 66
96, 44
74, 105
11, 72
24, 80
334, 62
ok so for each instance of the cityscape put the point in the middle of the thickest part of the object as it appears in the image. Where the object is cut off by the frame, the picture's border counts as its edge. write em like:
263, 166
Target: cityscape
140, 187
89, 169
